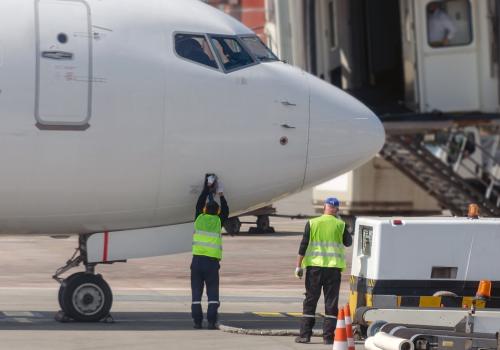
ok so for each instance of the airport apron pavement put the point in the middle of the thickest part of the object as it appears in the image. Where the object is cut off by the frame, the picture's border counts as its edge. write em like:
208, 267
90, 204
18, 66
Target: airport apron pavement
152, 296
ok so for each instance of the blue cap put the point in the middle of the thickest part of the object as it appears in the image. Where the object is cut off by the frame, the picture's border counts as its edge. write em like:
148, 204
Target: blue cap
334, 202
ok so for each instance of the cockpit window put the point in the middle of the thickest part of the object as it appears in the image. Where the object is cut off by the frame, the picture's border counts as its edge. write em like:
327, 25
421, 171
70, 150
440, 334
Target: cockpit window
258, 49
195, 48
231, 53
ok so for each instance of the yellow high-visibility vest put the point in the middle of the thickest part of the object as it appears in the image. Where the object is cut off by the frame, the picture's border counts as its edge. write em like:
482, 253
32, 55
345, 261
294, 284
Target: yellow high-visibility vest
326, 247
207, 238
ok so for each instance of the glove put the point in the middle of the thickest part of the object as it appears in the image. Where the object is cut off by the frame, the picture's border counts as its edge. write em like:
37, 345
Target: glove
220, 188
299, 272
210, 181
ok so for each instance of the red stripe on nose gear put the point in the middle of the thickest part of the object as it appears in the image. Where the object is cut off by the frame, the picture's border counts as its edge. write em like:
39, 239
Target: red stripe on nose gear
106, 243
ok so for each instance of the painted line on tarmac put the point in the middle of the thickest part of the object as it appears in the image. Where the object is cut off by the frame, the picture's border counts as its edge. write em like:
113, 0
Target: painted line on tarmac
269, 314
283, 314
187, 298
22, 320
18, 314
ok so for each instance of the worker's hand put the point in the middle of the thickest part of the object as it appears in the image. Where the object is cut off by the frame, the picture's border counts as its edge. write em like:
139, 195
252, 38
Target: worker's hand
299, 272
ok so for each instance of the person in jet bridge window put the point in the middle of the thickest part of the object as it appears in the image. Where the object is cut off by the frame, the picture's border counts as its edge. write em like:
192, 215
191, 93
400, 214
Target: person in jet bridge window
207, 251
440, 25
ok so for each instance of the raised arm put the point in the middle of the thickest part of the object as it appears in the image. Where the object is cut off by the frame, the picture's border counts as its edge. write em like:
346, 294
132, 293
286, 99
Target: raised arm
224, 209
202, 200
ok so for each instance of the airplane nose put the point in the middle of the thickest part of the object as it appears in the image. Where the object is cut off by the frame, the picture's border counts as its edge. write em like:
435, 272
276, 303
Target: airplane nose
343, 133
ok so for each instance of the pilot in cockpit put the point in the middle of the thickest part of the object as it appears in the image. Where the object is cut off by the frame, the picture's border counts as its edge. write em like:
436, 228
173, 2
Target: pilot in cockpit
190, 48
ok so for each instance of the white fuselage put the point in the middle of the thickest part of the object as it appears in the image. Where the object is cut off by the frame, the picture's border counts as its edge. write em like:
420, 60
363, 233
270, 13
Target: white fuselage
121, 136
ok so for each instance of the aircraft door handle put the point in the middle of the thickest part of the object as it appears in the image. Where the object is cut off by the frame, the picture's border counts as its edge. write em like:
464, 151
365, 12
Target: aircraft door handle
286, 126
57, 55
288, 104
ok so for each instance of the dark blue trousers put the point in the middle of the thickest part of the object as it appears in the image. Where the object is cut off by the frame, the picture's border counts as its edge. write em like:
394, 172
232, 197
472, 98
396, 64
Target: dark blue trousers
204, 272
328, 279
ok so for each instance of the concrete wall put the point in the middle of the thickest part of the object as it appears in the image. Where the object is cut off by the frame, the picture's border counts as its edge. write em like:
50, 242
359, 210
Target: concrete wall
376, 187
379, 181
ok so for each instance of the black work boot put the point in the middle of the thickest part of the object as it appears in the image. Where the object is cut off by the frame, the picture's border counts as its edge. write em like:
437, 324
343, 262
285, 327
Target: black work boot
327, 341
212, 326
197, 325
302, 340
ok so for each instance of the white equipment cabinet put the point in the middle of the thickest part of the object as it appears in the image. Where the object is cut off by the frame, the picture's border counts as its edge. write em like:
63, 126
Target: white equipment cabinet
408, 261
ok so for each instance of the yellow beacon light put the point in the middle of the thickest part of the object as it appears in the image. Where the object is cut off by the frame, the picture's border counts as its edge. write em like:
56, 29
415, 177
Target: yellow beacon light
484, 290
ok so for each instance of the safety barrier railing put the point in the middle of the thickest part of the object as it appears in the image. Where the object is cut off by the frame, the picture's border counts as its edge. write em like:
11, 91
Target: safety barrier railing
487, 176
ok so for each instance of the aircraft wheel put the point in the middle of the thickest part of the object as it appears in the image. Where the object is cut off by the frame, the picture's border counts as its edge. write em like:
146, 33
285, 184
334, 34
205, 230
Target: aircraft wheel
86, 298
232, 225
62, 288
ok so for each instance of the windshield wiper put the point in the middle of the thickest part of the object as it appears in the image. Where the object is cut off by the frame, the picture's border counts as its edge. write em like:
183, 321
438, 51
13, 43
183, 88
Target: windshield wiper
266, 58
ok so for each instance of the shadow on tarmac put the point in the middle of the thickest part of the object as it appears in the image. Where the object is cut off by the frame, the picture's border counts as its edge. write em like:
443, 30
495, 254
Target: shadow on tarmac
141, 321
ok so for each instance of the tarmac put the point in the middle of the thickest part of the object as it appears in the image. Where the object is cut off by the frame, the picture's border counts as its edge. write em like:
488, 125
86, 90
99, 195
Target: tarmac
151, 308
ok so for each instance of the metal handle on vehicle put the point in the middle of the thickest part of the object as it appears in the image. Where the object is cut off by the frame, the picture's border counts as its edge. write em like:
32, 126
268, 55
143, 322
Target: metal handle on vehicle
286, 126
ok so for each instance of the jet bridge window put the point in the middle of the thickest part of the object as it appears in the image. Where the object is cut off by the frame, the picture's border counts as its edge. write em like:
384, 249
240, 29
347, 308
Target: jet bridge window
449, 23
258, 49
232, 55
195, 48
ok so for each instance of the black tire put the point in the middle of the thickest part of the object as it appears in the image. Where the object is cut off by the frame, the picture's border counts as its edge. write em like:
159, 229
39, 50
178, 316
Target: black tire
263, 223
87, 298
232, 226
62, 288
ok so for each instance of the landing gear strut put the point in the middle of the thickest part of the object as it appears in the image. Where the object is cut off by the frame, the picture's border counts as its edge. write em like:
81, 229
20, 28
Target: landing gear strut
83, 296
263, 225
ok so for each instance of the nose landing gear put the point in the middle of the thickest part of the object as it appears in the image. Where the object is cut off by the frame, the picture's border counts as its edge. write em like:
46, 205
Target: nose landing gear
83, 296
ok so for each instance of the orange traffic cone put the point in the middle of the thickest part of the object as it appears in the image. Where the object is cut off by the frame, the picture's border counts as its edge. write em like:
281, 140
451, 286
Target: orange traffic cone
348, 328
340, 342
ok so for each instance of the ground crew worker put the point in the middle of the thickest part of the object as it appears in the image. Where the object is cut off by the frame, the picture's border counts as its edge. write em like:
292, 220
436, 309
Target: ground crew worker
321, 252
207, 253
